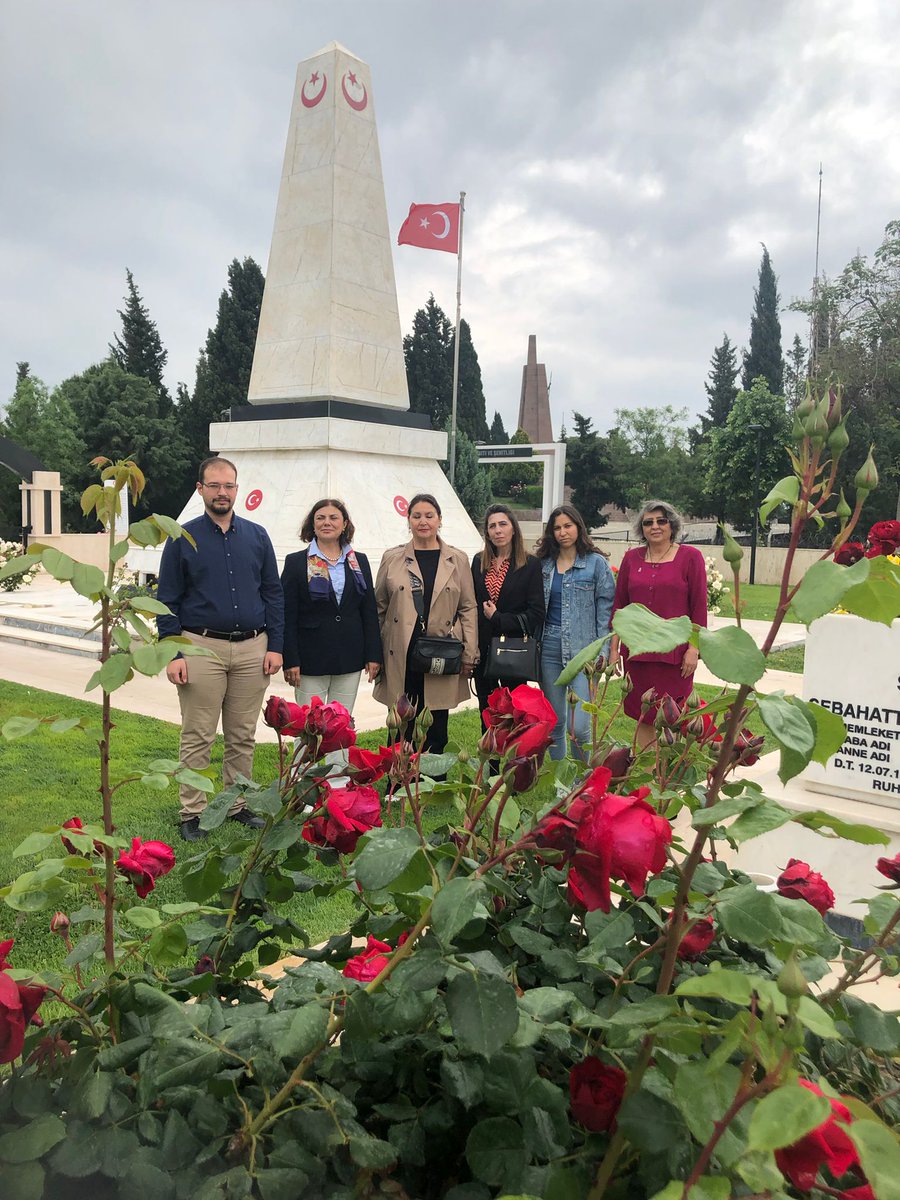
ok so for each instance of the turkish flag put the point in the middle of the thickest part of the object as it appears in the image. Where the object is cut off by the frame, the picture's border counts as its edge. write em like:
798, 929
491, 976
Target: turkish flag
431, 226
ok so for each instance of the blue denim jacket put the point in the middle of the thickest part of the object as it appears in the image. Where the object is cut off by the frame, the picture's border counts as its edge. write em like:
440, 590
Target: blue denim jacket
587, 599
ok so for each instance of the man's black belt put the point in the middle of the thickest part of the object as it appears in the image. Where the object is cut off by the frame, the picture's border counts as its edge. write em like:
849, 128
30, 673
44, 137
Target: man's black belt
238, 635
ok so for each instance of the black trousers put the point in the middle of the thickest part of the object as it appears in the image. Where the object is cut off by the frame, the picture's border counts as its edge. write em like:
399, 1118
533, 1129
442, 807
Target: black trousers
436, 737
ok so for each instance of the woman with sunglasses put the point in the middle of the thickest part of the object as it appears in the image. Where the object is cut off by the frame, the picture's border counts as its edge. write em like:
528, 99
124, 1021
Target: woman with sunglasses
578, 596
670, 580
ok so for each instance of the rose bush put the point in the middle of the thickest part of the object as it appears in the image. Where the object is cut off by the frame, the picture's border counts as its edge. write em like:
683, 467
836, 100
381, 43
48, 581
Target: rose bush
556, 990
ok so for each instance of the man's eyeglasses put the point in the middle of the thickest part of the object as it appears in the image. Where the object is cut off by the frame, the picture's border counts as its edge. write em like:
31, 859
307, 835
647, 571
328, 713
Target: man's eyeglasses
220, 487
651, 521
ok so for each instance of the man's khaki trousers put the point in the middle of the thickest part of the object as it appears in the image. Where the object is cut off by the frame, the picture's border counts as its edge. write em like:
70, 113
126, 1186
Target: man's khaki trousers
231, 685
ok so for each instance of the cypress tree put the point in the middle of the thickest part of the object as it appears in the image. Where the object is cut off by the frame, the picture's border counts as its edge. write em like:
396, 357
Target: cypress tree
498, 435
139, 350
764, 356
429, 368
470, 407
721, 389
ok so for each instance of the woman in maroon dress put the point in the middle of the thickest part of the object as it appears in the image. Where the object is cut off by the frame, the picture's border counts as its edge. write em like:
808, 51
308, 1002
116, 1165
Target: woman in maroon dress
670, 580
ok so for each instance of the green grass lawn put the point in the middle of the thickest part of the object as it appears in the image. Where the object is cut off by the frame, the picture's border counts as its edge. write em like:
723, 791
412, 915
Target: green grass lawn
47, 778
788, 660
758, 600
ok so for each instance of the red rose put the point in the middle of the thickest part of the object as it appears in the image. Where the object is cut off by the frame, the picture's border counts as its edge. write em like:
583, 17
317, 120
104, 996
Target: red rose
887, 533
144, 863
595, 1094
698, 939
342, 817
701, 726
618, 762
366, 966
858, 1193
523, 717
890, 868
365, 766
556, 832
19, 1003
826, 1145
330, 724
284, 716
619, 837
849, 553
799, 882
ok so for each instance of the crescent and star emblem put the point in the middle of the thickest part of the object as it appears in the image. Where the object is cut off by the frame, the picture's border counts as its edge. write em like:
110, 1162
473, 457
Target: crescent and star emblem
437, 213
360, 104
313, 100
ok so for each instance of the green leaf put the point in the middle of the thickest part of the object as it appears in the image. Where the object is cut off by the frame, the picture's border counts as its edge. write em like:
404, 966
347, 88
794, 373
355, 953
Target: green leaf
729, 807
785, 491
784, 721
142, 918
92, 1094
576, 665
872, 1028
704, 1094
830, 732
760, 819
784, 1116
722, 985
482, 1011
64, 724
643, 632
148, 604
372, 1153
815, 1018
34, 844
878, 598
151, 659
15, 566
115, 671
119, 550
17, 727
145, 533
383, 855
495, 1150
879, 1154
454, 906
60, 566
24, 1181
307, 1031
866, 835
823, 588
168, 944
87, 580
168, 525
651, 1123
731, 654
749, 915
437, 764
33, 1140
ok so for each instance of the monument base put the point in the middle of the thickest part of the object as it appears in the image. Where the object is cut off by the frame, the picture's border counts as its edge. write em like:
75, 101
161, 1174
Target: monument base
285, 464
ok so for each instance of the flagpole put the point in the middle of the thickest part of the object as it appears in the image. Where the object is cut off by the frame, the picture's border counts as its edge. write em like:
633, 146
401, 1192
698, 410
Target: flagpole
462, 208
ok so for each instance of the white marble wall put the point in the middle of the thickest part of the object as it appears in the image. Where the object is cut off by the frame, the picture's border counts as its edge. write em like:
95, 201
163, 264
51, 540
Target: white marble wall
329, 324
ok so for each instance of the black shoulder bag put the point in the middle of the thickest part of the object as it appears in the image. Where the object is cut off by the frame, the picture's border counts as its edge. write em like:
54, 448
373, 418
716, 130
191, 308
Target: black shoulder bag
430, 654
516, 659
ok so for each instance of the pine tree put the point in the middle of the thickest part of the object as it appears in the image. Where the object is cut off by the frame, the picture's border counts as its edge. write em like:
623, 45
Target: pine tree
721, 389
429, 368
472, 483
139, 351
498, 435
23, 370
795, 372
223, 368
470, 407
764, 356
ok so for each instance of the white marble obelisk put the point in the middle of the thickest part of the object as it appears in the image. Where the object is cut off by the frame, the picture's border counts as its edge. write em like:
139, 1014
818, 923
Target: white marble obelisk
329, 407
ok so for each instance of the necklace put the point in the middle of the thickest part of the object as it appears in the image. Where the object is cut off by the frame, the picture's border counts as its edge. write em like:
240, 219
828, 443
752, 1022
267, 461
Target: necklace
334, 561
654, 562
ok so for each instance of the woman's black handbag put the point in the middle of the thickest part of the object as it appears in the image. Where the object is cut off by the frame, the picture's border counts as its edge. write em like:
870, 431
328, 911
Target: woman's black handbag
430, 654
514, 659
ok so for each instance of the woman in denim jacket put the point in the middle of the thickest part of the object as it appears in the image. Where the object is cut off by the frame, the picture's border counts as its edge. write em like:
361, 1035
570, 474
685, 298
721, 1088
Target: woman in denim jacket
578, 594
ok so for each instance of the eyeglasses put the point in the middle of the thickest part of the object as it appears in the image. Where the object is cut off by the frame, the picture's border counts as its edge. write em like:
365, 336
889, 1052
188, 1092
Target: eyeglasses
651, 521
220, 487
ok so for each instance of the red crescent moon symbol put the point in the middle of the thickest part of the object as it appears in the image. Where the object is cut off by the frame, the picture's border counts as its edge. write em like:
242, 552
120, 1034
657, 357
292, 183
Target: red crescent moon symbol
311, 102
400, 505
359, 105
254, 499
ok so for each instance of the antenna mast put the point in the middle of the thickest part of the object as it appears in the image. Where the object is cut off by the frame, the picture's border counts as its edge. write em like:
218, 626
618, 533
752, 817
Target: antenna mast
814, 319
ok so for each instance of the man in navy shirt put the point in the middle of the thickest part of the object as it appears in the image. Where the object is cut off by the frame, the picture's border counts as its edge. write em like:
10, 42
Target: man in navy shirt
225, 596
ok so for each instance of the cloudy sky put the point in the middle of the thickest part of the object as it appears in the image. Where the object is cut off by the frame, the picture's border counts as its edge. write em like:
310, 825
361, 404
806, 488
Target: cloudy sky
623, 160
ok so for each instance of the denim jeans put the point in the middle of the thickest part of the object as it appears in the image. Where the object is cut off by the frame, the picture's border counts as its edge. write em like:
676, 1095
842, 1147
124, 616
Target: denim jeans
551, 665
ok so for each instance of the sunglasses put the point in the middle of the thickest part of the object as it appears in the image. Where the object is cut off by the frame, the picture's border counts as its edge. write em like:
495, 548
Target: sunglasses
651, 521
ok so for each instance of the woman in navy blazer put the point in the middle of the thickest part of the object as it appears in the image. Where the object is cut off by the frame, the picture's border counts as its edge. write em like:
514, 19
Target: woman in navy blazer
331, 620
508, 585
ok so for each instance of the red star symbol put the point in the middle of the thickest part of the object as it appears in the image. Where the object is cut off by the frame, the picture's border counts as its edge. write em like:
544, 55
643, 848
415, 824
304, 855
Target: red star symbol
314, 78
352, 78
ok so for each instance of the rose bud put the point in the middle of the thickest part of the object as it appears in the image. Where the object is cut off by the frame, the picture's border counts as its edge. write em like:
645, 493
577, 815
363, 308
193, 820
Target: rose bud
849, 553
839, 440
866, 479
204, 965
618, 762
406, 710
522, 773
668, 736
890, 868
806, 405
694, 727
694, 701
834, 407
648, 700
699, 937
671, 711
59, 923
798, 881
791, 981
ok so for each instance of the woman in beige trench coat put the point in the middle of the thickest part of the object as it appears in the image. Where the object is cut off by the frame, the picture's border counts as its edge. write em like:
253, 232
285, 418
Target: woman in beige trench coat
443, 575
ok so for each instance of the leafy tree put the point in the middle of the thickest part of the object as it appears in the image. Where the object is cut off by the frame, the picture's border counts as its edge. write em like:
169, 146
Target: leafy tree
139, 350
857, 316
730, 458
649, 455
795, 373
589, 471
122, 416
470, 409
512, 478
472, 483
764, 356
498, 435
429, 369
45, 424
223, 369
721, 389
